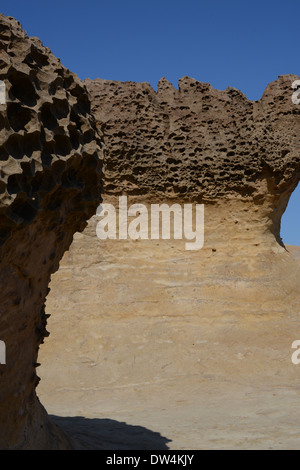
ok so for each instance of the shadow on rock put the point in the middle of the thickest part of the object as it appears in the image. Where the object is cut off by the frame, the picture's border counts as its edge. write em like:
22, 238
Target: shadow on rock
108, 434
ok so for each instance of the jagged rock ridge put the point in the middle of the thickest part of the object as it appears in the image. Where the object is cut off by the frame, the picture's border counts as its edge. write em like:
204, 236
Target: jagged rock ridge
197, 142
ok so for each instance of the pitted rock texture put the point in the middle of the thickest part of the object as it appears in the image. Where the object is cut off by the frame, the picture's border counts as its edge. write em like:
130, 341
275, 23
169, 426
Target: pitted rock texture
197, 142
50, 184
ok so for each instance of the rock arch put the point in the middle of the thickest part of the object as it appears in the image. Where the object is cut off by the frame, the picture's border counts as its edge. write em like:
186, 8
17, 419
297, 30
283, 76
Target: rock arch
238, 157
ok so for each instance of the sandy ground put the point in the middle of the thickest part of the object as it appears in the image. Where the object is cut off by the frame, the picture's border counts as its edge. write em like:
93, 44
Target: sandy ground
155, 365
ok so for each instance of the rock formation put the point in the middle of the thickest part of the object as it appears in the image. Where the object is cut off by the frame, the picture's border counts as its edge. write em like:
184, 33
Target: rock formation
192, 344
49, 186
139, 320
201, 144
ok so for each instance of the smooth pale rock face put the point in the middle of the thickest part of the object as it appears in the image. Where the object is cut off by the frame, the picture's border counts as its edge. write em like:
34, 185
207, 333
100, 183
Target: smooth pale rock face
50, 183
195, 345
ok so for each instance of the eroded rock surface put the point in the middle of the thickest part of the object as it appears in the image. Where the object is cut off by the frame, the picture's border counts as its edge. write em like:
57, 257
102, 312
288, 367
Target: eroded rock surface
195, 140
185, 343
198, 143
195, 345
49, 187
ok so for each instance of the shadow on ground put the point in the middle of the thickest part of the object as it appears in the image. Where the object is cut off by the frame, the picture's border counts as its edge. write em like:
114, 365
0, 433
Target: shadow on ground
108, 434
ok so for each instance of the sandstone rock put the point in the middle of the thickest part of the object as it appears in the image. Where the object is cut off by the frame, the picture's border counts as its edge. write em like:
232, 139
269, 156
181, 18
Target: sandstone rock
145, 330
295, 250
198, 143
222, 142
195, 345
49, 187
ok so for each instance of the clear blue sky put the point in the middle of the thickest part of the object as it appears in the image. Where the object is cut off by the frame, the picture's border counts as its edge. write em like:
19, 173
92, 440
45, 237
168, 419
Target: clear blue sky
224, 42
